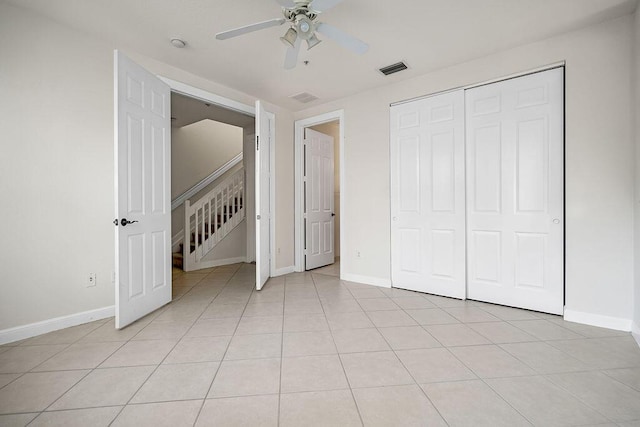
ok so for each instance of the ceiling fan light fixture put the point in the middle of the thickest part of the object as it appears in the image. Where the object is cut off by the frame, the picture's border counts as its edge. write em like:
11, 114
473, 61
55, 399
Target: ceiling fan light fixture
289, 38
313, 41
305, 27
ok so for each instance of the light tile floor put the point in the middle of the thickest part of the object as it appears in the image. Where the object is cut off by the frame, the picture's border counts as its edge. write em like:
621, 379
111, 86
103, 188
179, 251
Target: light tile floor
310, 349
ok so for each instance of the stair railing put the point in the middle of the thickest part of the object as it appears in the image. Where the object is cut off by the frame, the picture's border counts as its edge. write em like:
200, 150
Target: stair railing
211, 218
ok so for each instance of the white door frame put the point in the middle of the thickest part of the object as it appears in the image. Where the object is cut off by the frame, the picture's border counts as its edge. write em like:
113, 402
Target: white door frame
230, 104
299, 235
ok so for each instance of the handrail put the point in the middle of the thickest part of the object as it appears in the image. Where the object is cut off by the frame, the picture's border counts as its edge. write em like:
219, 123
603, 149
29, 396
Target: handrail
205, 182
212, 218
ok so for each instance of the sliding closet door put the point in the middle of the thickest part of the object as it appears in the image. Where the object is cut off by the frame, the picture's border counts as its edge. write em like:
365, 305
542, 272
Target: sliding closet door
427, 195
515, 215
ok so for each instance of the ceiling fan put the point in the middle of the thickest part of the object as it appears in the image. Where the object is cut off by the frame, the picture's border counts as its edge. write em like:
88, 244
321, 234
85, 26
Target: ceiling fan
302, 17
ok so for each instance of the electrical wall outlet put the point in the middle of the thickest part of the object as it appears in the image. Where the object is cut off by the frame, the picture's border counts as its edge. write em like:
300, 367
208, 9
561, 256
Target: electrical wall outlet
91, 280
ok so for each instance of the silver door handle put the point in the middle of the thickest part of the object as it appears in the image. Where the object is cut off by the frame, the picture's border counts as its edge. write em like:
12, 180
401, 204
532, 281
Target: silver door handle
556, 221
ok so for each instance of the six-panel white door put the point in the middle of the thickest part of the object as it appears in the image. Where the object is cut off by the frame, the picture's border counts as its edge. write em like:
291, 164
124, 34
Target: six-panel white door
515, 217
427, 188
319, 213
262, 188
143, 181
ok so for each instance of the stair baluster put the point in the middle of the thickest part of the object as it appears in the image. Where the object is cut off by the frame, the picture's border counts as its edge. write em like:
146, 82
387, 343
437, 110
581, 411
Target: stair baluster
212, 218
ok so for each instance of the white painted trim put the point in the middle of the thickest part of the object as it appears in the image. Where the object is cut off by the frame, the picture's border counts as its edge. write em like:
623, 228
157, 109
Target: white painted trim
617, 323
218, 262
635, 331
284, 270
300, 125
178, 201
486, 82
194, 92
230, 104
272, 193
367, 280
34, 329
177, 238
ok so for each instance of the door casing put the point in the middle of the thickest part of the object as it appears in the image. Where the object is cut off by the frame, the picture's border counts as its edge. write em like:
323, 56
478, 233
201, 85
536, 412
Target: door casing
230, 104
299, 232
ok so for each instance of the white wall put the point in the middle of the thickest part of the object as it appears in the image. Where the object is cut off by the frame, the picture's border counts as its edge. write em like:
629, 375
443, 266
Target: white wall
599, 162
56, 167
230, 249
636, 113
199, 149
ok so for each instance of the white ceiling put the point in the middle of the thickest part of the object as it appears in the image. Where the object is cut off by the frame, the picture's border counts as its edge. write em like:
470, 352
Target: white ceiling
427, 34
186, 110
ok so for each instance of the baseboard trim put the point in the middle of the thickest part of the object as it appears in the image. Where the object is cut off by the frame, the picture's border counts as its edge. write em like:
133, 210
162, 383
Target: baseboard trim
218, 262
33, 329
284, 270
635, 331
367, 280
599, 320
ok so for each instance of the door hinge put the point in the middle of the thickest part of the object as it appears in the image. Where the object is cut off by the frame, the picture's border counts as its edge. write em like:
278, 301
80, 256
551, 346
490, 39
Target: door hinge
257, 143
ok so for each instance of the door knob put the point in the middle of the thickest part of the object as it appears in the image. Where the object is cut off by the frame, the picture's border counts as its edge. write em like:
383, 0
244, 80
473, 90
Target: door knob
332, 214
125, 221
556, 221
395, 218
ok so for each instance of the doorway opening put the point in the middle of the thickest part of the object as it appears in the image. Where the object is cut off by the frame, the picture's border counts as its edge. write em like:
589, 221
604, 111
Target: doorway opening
319, 191
142, 149
212, 164
261, 205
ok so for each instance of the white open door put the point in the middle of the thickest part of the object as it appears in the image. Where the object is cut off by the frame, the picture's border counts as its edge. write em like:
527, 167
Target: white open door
319, 211
515, 186
142, 189
263, 209
427, 195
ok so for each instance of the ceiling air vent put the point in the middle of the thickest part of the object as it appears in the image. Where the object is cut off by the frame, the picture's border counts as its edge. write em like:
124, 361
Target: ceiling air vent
393, 68
304, 97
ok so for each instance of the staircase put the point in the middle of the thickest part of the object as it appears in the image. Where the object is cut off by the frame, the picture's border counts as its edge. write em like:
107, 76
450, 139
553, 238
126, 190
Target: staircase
209, 220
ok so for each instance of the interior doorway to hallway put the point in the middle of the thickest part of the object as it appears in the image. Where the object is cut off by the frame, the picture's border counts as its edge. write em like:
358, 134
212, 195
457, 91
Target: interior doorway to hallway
319, 190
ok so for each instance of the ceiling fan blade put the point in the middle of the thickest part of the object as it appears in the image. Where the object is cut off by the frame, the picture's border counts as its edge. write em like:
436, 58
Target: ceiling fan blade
322, 5
286, 3
291, 58
342, 38
249, 28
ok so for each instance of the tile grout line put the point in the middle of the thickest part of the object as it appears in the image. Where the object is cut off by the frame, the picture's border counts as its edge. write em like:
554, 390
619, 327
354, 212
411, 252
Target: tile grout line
344, 372
424, 393
156, 368
284, 301
74, 384
204, 400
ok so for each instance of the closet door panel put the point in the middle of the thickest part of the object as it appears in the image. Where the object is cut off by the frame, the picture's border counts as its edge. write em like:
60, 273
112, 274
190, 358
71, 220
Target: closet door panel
515, 213
427, 195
